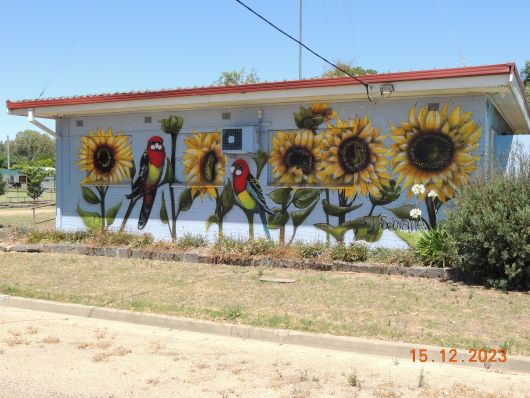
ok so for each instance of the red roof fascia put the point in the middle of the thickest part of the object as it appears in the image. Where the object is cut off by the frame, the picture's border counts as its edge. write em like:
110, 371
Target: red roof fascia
255, 87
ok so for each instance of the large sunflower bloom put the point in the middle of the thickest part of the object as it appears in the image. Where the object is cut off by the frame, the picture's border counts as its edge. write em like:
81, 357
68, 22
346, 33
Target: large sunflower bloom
434, 148
106, 158
352, 153
295, 158
204, 163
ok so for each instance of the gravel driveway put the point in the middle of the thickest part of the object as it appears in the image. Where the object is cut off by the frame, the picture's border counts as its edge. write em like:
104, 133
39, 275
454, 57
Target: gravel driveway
52, 355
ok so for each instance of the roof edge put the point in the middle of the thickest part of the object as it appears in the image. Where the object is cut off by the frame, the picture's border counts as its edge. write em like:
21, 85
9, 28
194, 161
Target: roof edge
496, 69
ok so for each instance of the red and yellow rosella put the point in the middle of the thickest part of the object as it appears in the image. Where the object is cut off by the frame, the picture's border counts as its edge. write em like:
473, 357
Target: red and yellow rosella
149, 175
249, 193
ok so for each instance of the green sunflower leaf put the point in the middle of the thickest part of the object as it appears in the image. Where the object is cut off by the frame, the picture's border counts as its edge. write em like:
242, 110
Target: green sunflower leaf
303, 197
90, 196
213, 219
227, 198
261, 159
299, 216
92, 220
371, 231
337, 211
112, 212
281, 196
279, 219
403, 212
186, 200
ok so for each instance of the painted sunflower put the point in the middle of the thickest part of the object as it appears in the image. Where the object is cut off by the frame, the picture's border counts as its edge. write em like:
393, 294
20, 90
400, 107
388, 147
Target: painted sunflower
352, 153
204, 163
322, 109
434, 148
295, 158
106, 158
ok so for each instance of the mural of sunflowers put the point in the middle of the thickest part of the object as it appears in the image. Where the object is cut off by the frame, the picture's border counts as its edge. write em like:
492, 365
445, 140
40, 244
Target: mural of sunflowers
434, 148
204, 163
107, 160
295, 158
341, 164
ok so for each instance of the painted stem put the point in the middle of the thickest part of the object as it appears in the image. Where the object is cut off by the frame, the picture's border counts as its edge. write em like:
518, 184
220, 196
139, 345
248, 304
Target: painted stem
327, 217
431, 212
173, 228
250, 219
102, 193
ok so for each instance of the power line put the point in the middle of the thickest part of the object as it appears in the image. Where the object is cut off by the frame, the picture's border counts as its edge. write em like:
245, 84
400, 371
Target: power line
308, 49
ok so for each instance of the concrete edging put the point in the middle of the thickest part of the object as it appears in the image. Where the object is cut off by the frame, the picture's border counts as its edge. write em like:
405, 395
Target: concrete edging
280, 336
124, 252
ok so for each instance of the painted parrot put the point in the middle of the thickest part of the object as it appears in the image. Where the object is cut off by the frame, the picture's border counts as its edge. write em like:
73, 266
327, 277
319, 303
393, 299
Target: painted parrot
249, 193
149, 175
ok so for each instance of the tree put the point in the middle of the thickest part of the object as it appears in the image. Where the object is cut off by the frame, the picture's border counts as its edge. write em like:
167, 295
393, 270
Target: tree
35, 175
525, 75
236, 77
30, 146
3, 185
348, 67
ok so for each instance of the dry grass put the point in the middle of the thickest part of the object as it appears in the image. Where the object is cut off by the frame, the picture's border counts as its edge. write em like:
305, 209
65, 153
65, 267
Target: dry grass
51, 340
386, 307
116, 352
23, 217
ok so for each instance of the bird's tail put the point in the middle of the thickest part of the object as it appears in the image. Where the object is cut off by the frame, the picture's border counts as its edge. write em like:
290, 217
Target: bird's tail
147, 205
263, 216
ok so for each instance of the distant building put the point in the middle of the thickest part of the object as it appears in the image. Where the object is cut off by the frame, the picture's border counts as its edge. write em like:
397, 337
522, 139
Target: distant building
14, 178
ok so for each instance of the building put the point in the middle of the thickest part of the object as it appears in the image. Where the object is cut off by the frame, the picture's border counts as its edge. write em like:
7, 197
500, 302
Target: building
335, 159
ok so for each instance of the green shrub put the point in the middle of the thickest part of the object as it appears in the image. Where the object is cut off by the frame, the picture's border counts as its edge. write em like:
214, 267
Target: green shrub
227, 245
121, 239
52, 236
436, 249
349, 253
310, 250
259, 246
3, 186
490, 224
187, 241
404, 257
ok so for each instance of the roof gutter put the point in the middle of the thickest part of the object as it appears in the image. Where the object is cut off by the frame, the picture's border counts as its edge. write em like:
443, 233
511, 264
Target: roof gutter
519, 94
36, 123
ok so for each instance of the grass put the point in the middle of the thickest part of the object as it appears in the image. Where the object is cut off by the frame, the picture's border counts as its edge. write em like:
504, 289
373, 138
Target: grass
21, 195
23, 217
377, 306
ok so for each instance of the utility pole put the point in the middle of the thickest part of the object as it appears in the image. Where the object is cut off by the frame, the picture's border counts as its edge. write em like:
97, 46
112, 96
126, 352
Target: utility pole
8, 157
300, 46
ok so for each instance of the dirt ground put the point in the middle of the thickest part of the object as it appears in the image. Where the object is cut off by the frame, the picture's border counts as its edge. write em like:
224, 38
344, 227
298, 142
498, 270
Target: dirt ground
52, 355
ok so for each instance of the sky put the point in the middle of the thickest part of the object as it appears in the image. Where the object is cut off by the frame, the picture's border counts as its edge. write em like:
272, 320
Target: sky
92, 46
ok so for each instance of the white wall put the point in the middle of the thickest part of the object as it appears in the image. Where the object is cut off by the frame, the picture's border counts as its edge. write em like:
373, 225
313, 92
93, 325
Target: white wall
274, 117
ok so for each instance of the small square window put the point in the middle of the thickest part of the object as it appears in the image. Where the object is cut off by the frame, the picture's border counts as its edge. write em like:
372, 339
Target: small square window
79, 123
433, 106
226, 116
148, 119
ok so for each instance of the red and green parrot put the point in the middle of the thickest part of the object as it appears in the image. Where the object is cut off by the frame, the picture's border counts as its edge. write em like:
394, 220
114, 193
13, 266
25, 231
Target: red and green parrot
149, 175
249, 193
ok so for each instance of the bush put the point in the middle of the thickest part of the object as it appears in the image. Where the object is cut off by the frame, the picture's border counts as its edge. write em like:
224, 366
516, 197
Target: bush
227, 245
489, 222
3, 186
310, 250
404, 257
187, 241
349, 253
436, 249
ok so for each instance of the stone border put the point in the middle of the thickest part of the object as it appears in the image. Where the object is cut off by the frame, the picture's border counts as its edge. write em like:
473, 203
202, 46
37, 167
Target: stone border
281, 336
125, 252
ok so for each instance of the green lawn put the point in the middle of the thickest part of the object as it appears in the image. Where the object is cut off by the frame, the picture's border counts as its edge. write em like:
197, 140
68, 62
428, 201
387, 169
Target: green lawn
378, 306
21, 195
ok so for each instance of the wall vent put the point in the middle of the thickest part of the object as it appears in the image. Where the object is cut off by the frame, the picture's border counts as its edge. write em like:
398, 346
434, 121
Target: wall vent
148, 119
79, 123
433, 106
226, 116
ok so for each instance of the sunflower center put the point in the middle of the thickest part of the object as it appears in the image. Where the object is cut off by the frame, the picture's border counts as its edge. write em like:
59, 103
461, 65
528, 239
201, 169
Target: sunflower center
208, 170
354, 154
300, 157
104, 159
431, 152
